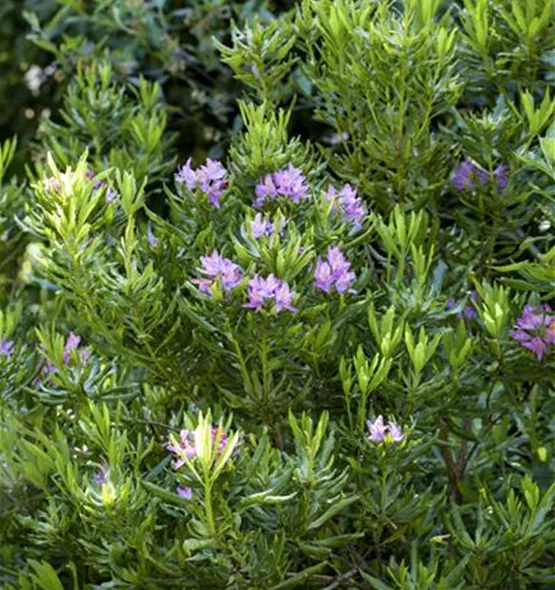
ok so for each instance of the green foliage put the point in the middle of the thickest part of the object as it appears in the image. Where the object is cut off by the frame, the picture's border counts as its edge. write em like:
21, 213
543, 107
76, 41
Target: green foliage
120, 127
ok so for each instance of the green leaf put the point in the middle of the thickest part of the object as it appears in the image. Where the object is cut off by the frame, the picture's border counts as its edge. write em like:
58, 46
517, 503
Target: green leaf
166, 495
301, 577
331, 512
45, 575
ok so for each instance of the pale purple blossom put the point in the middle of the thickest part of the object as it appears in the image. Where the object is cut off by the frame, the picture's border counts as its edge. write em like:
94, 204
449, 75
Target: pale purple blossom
469, 312
265, 189
184, 448
218, 269
110, 194
72, 343
101, 475
535, 329
204, 285
500, 174
288, 182
380, 432
187, 175
291, 183
262, 226
333, 271
377, 429
184, 492
6, 347
210, 178
262, 290
350, 206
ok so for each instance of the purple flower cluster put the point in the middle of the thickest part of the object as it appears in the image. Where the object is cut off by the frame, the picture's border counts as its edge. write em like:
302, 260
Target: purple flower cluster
6, 348
218, 269
210, 178
469, 312
333, 272
270, 289
184, 449
380, 432
72, 343
535, 329
351, 207
110, 194
288, 182
468, 173
261, 226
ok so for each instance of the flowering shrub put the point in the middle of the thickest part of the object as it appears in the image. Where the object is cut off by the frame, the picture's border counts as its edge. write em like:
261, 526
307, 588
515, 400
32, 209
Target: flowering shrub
311, 365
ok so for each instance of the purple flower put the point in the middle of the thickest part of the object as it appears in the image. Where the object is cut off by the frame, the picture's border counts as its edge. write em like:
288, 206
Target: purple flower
380, 432
288, 182
210, 178
395, 432
469, 312
261, 226
535, 329
184, 448
352, 208
101, 475
323, 276
270, 289
72, 343
291, 183
6, 348
265, 189
284, 298
500, 174
467, 173
333, 272
204, 285
185, 492
187, 175
210, 172
218, 269
377, 429
110, 194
